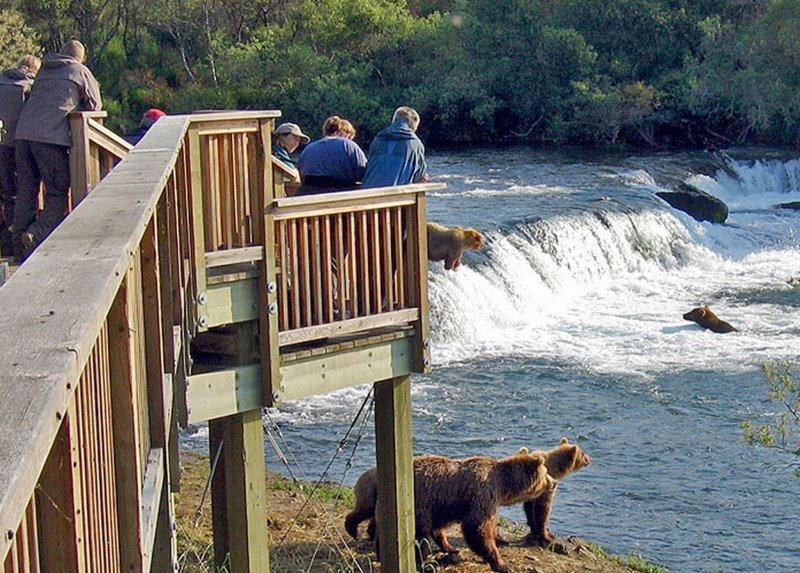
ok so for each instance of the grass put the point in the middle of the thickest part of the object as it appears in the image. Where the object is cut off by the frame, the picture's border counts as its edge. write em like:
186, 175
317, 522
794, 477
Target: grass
635, 562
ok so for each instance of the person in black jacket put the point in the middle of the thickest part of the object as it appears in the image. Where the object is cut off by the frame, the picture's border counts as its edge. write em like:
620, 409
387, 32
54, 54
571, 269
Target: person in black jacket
15, 83
62, 86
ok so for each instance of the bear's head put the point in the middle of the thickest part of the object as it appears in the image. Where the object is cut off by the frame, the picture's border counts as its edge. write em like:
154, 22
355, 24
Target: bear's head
565, 459
473, 239
696, 314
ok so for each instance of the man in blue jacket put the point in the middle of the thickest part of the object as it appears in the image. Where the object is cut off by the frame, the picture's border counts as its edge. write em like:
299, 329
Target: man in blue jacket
397, 156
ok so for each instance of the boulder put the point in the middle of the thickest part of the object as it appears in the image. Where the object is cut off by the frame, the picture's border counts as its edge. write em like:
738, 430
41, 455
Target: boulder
699, 204
793, 205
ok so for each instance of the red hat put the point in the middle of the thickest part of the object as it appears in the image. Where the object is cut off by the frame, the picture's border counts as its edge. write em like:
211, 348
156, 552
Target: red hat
150, 117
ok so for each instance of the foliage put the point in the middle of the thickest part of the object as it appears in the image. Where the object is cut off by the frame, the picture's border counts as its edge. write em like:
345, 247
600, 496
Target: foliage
16, 39
784, 432
642, 72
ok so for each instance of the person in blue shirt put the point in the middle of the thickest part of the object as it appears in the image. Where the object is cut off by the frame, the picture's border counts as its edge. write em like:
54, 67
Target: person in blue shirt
333, 163
397, 156
288, 137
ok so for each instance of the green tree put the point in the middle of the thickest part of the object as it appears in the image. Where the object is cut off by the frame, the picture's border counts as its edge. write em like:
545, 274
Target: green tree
16, 39
784, 432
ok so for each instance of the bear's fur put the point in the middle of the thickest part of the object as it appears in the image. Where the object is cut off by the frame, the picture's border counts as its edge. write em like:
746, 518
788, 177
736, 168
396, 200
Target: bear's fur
469, 491
707, 319
560, 461
449, 243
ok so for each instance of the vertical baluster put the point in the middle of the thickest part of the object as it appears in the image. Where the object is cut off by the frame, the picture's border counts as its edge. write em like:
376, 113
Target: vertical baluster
317, 268
296, 283
328, 269
400, 266
364, 274
386, 254
342, 276
354, 278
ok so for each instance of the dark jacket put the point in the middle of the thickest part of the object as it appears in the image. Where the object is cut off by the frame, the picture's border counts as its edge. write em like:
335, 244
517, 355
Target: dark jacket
396, 157
62, 86
14, 87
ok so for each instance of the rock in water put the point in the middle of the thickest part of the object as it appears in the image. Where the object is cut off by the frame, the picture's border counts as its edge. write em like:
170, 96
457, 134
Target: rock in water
699, 204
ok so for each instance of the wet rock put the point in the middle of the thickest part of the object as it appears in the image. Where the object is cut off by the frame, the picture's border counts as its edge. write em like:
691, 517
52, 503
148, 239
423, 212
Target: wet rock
791, 205
699, 204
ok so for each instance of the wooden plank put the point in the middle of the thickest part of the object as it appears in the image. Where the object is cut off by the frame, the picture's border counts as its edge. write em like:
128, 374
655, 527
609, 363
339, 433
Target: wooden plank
318, 266
196, 205
224, 392
418, 281
340, 328
125, 396
229, 303
61, 526
239, 495
312, 375
78, 164
394, 451
364, 275
152, 486
264, 233
368, 197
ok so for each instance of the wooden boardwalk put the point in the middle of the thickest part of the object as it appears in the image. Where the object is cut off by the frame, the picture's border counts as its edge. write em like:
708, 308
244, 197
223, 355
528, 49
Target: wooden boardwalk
186, 287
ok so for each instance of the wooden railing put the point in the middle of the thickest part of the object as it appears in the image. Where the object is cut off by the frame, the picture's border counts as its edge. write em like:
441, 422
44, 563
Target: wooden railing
349, 261
183, 235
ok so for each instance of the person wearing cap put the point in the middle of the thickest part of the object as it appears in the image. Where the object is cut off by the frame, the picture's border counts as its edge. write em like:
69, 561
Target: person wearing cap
149, 117
288, 137
15, 84
63, 85
396, 155
333, 163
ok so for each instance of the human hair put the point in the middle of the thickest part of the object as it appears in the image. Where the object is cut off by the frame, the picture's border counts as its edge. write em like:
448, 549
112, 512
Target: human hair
335, 125
75, 49
408, 115
29, 63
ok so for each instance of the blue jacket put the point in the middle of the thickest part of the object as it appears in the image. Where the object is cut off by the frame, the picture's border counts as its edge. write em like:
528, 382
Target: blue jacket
333, 157
396, 157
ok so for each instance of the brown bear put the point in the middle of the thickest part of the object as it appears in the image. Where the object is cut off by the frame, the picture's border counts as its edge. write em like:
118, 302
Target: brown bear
707, 319
560, 461
469, 491
449, 243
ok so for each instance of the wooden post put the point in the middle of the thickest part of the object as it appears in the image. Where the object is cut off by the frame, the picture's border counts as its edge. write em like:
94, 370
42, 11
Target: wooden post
79, 157
238, 496
418, 277
393, 447
264, 227
197, 214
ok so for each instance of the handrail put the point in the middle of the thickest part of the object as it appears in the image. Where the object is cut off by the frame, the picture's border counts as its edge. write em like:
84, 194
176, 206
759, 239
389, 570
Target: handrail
102, 341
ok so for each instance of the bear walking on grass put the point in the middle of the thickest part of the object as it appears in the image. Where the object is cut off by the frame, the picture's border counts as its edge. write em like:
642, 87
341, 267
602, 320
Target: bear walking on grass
560, 461
469, 491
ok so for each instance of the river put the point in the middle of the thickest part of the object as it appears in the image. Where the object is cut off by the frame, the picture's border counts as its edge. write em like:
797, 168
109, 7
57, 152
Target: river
569, 323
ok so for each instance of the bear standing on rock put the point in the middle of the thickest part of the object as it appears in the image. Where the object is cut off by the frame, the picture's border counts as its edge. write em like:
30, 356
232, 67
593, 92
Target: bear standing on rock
449, 243
469, 491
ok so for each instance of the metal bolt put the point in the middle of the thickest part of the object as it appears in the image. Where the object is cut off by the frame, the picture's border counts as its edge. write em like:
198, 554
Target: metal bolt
427, 363
202, 321
202, 298
273, 308
426, 343
271, 287
276, 397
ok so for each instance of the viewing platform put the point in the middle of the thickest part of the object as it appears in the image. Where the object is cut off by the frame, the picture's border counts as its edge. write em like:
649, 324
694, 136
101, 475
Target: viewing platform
186, 287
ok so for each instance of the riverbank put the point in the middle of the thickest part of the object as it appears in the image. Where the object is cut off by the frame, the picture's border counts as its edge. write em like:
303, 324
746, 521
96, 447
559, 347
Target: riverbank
307, 527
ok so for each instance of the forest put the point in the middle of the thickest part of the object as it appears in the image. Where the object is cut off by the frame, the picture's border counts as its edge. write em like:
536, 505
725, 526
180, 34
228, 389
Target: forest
645, 73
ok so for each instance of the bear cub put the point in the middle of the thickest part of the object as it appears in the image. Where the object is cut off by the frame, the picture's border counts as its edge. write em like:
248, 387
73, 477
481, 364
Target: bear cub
561, 461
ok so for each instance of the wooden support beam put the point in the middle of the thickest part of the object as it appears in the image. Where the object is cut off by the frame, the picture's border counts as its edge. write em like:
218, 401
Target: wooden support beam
238, 495
394, 449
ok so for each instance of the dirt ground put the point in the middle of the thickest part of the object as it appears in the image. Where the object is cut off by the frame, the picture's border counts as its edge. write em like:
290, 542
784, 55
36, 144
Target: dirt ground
310, 531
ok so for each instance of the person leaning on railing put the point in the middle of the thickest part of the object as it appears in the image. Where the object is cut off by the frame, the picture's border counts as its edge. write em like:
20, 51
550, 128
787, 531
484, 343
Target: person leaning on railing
15, 84
396, 155
333, 163
63, 85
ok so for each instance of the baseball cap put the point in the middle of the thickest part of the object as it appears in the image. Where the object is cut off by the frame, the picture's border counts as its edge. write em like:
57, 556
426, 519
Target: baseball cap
294, 129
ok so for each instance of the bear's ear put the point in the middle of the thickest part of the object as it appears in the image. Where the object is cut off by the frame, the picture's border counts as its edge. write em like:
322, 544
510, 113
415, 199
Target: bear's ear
563, 441
524, 450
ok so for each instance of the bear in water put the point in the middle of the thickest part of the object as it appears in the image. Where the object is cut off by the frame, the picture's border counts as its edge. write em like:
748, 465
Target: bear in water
707, 319
449, 243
